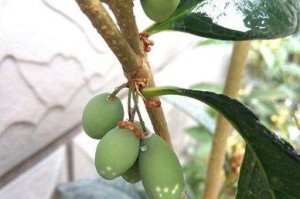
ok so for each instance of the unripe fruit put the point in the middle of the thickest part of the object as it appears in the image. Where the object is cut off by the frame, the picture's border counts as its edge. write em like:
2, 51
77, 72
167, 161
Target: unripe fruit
116, 153
101, 114
132, 175
160, 169
159, 10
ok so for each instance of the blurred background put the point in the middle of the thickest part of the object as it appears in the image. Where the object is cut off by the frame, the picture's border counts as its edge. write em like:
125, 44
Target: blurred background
52, 61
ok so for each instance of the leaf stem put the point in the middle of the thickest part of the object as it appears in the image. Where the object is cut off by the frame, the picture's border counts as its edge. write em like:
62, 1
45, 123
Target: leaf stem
217, 155
159, 91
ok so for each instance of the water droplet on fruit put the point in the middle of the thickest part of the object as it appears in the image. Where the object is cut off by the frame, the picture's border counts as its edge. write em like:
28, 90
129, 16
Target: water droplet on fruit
143, 148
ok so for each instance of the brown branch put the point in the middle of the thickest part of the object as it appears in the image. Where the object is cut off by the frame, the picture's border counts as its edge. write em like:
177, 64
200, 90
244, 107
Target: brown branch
123, 11
157, 117
223, 127
134, 66
105, 26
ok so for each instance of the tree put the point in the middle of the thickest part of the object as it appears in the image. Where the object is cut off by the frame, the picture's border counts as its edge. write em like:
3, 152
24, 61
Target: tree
271, 166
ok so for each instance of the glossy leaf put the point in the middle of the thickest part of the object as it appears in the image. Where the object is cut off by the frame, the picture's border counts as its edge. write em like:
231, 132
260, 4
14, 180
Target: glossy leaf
233, 19
252, 182
274, 157
96, 187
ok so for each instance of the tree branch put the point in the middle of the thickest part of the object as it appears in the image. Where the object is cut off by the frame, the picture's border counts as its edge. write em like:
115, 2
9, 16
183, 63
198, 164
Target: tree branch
134, 62
105, 26
123, 11
223, 127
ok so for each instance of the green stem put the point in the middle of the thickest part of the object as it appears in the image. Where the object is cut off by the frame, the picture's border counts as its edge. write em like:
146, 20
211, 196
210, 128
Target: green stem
118, 89
130, 115
136, 101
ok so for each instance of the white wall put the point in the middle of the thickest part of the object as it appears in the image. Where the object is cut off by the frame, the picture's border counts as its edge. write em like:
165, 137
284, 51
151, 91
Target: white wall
52, 61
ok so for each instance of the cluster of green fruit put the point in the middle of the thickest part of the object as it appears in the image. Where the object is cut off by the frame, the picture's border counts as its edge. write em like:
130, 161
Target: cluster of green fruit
121, 152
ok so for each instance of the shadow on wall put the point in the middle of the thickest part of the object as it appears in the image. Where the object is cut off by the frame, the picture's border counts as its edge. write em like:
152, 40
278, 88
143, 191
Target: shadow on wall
52, 62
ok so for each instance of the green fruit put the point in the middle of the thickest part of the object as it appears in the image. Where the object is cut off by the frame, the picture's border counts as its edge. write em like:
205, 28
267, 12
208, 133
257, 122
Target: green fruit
159, 10
160, 169
101, 114
116, 153
132, 175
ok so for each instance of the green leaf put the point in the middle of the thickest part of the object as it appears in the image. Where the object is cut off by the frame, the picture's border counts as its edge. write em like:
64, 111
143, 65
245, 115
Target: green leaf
263, 107
292, 69
200, 134
268, 94
97, 187
233, 19
252, 183
275, 158
292, 44
204, 140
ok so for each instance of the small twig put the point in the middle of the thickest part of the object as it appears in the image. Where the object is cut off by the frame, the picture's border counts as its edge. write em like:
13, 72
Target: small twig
135, 101
130, 115
136, 97
118, 89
